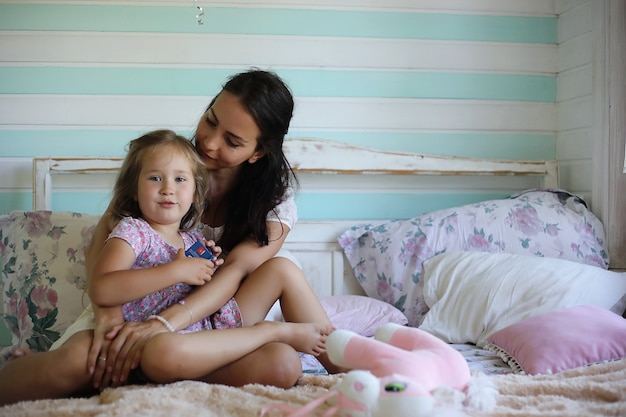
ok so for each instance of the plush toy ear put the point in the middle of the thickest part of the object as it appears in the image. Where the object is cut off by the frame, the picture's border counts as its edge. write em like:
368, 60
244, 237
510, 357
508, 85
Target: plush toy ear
361, 387
384, 332
336, 345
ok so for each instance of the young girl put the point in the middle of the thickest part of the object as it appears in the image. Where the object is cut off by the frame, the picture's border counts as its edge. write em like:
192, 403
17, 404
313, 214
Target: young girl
158, 199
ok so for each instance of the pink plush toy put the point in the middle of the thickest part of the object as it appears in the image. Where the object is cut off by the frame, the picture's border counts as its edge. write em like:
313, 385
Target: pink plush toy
409, 372
401, 372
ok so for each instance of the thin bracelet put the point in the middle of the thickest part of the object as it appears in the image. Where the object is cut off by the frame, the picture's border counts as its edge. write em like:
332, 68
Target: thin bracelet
162, 320
182, 303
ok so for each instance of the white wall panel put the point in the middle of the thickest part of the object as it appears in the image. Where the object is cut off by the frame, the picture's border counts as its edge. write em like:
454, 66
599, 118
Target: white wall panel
574, 83
576, 176
574, 144
575, 52
190, 50
562, 6
522, 7
575, 114
575, 22
310, 113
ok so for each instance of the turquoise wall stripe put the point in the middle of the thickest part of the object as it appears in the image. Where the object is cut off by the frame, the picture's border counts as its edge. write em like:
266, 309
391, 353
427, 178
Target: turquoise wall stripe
269, 21
311, 206
28, 143
380, 206
90, 203
16, 200
304, 83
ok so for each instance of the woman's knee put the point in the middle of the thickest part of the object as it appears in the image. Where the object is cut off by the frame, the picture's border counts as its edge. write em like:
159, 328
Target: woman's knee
283, 269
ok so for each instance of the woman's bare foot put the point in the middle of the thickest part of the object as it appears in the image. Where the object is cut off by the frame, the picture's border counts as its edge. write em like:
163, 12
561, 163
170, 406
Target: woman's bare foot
303, 337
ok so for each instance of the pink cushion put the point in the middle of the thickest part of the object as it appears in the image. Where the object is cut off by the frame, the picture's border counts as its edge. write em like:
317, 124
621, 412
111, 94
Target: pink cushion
559, 340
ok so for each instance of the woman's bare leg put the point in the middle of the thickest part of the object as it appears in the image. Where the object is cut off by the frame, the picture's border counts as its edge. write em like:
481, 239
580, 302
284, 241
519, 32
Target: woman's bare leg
54, 374
279, 278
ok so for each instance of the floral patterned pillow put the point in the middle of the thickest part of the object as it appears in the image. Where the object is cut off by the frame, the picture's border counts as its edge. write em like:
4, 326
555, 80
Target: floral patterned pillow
43, 277
387, 256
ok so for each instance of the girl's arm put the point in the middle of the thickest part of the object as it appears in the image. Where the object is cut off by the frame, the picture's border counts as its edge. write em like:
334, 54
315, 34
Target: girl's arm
113, 282
240, 262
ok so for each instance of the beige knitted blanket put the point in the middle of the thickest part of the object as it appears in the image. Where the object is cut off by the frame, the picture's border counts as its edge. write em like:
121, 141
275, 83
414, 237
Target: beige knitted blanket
598, 390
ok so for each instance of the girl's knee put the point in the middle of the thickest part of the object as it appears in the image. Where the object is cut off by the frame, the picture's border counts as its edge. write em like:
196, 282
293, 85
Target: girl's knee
162, 357
282, 366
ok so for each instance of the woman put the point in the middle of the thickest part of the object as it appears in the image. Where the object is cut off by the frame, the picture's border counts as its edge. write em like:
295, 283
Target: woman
249, 213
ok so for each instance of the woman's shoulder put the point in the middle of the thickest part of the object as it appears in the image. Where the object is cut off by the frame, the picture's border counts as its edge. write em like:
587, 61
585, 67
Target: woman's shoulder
286, 211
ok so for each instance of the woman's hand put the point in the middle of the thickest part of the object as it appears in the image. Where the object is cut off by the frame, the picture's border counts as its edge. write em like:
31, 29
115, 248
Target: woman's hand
125, 348
217, 251
108, 320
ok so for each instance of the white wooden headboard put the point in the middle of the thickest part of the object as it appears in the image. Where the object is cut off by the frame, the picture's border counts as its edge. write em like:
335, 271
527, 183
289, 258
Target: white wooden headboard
314, 242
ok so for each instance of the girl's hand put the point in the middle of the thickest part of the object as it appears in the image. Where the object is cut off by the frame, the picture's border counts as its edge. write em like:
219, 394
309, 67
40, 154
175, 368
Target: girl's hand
193, 271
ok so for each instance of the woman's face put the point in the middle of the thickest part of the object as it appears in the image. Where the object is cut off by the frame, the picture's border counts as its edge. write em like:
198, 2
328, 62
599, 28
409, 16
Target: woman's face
227, 134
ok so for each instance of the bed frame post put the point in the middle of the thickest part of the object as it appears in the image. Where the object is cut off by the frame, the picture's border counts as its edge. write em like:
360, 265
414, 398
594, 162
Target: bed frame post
42, 184
551, 179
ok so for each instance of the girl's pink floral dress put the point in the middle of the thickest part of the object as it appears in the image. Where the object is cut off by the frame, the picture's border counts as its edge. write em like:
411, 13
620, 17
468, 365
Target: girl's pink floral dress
151, 250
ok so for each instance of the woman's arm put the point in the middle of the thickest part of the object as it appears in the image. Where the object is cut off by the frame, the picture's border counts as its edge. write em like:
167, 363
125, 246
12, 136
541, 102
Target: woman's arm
106, 318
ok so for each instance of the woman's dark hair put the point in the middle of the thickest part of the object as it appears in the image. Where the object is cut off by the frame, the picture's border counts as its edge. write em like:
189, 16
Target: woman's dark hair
260, 186
124, 202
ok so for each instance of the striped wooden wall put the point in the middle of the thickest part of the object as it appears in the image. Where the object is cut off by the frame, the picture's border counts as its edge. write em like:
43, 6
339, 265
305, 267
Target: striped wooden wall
456, 77
575, 111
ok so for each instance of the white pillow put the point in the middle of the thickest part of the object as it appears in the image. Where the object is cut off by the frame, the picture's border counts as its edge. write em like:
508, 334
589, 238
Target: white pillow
473, 294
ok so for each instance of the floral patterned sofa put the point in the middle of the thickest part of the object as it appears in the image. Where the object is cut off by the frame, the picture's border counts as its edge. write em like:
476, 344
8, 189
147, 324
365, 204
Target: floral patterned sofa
43, 278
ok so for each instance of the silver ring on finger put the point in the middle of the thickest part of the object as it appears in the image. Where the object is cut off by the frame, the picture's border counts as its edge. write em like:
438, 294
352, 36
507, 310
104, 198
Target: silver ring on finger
102, 358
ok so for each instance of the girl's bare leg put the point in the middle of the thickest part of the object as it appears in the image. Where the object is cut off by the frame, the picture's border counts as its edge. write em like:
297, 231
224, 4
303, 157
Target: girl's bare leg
276, 364
251, 354
169, 356
279, 278
54, 374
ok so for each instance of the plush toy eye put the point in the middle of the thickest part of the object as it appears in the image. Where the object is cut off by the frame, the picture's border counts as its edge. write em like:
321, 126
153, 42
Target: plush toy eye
395, 387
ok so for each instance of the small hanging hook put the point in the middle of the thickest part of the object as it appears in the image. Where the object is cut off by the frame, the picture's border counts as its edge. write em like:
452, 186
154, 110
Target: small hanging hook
200, 13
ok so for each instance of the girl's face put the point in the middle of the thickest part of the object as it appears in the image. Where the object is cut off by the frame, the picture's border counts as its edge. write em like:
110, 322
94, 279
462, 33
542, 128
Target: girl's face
227, 134
165, 187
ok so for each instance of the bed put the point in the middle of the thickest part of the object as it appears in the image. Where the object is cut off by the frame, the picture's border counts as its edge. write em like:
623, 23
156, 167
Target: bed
496, 279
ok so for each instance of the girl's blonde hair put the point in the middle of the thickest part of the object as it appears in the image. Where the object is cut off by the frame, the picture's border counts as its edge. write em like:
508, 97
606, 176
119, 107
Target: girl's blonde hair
124, 202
